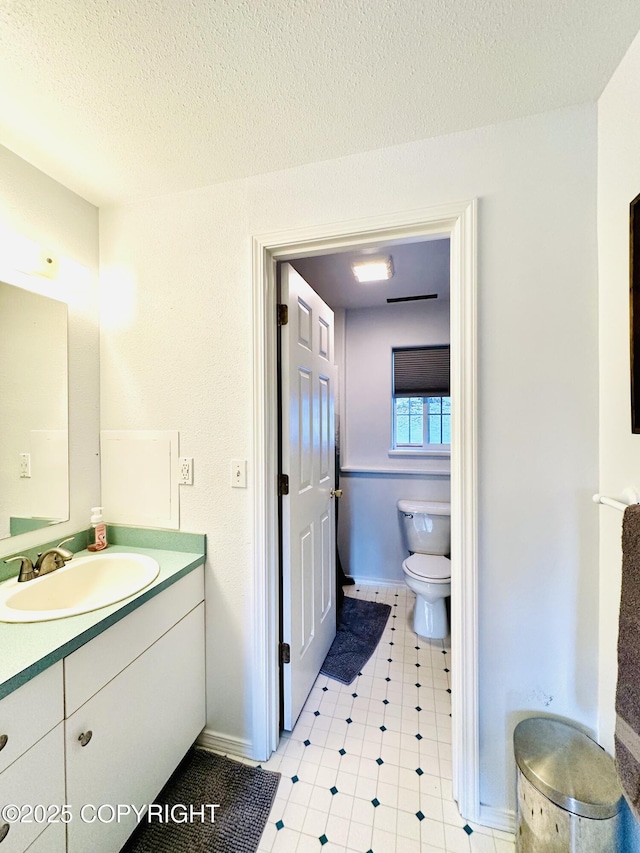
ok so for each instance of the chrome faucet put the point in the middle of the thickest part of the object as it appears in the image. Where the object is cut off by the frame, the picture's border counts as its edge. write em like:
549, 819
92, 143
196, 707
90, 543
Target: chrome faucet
48, 561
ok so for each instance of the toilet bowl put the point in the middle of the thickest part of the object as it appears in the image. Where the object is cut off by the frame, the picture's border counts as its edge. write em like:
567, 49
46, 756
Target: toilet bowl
429, 577
427, 572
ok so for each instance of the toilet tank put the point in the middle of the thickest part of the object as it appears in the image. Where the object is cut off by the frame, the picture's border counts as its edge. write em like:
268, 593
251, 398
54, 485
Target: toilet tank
427, 526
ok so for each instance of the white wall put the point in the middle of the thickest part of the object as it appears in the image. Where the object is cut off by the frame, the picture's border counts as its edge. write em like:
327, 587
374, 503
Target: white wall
36, 210
369, 530
176, 353
618, 185
339, 345
371, 335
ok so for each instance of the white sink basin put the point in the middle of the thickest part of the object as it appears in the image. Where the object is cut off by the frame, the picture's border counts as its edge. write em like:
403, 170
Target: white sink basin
82, 585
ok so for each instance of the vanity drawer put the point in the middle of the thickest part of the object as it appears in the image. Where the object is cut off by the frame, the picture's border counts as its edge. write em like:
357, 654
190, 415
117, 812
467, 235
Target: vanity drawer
36, 778
96, 663
29, 713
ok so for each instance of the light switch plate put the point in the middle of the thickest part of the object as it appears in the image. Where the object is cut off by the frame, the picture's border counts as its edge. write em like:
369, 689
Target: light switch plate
239, 473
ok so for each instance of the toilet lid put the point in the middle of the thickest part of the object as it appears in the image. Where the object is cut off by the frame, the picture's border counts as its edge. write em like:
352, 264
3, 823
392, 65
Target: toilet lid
429, 567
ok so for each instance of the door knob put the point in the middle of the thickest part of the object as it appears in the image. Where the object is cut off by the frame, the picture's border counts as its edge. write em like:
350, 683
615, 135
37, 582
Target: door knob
335, 493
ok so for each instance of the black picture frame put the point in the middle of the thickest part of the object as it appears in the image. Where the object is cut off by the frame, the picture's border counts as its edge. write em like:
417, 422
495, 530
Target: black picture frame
634, 310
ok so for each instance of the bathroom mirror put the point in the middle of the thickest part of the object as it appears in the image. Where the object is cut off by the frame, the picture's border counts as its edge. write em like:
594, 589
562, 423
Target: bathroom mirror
34, 446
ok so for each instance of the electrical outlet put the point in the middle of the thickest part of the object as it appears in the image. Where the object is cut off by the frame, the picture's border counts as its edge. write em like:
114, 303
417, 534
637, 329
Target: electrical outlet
239, 473
185, 469
25, 464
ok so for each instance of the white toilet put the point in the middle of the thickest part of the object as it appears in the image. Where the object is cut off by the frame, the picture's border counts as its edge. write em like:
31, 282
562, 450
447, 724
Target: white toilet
427, 526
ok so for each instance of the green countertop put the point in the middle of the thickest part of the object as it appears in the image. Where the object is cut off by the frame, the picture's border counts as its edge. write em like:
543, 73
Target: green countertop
27, 649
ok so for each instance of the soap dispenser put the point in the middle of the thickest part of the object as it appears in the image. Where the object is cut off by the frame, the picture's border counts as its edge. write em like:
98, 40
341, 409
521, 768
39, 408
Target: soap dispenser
99, 530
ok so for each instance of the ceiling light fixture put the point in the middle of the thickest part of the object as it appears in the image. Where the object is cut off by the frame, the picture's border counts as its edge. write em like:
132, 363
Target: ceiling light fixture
373, 269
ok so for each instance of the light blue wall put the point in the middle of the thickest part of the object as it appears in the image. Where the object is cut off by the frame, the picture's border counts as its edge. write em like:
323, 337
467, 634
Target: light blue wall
370, 538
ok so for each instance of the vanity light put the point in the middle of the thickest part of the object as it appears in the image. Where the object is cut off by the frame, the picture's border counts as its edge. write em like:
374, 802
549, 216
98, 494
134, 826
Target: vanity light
373, 269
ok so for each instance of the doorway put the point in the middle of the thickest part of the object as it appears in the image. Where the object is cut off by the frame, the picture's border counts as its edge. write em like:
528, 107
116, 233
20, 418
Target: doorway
458, 221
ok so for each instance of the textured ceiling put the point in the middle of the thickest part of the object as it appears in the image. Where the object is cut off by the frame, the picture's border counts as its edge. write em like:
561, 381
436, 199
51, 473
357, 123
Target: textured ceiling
120, 99
418, 268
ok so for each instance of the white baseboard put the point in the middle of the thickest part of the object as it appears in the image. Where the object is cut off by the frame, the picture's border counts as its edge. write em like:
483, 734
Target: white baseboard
503, 819
385, 582
224, 744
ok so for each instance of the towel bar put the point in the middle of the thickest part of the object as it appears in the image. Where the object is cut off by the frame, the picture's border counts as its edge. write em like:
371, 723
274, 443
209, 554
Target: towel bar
631, 496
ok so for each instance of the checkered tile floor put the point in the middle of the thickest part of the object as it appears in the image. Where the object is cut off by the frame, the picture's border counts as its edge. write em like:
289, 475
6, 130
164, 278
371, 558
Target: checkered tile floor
367, 768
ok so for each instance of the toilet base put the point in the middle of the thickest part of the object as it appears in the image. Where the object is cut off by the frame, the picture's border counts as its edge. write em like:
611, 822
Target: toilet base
430, 618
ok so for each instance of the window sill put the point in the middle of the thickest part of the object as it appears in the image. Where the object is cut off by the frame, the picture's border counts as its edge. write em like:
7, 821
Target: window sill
424, 470
441, 450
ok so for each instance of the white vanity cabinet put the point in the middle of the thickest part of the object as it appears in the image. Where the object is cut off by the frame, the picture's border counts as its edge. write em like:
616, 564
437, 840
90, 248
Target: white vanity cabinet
106, 726
141, 720
32, 763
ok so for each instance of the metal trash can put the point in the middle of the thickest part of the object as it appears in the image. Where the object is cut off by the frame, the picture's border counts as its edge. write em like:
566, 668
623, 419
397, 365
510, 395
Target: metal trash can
568, 791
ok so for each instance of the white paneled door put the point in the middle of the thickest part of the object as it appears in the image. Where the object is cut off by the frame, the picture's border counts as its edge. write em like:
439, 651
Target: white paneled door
308, 380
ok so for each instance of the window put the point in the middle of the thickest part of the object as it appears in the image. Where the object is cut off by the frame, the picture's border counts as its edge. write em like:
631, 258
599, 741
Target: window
421, 421
421, 401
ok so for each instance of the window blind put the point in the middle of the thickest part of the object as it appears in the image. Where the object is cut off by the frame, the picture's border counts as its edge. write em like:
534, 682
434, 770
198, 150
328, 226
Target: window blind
421, 372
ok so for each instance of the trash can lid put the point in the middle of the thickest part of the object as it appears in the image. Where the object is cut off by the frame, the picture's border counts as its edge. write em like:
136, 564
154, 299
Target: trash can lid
567, 767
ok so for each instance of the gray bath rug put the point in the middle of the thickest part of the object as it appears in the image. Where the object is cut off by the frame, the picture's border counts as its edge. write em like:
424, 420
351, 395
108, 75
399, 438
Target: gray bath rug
359, 629
243, 795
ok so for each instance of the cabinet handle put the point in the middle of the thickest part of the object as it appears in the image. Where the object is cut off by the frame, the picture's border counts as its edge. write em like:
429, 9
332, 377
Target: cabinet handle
4, 829
85, 737
3, 743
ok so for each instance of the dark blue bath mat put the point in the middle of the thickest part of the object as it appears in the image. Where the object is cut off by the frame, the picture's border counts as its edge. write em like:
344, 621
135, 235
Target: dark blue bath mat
358, 633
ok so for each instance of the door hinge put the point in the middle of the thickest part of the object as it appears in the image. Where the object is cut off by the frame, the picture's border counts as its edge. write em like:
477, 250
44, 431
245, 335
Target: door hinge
283, 314
285, 653
283, 484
